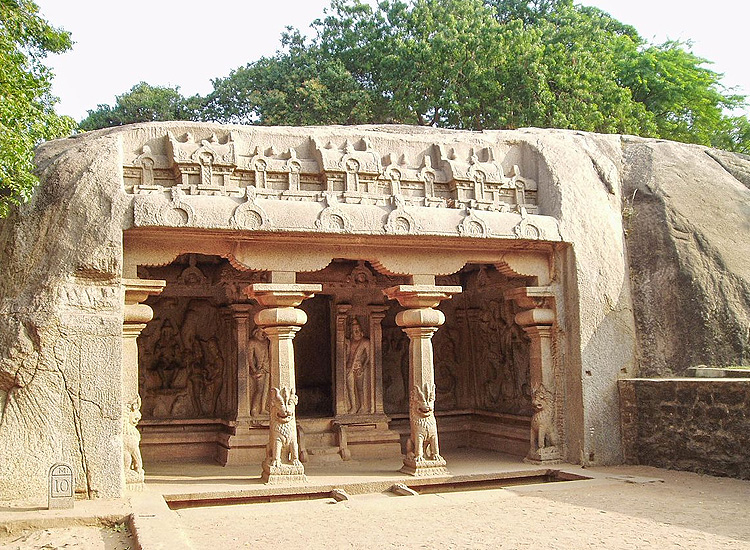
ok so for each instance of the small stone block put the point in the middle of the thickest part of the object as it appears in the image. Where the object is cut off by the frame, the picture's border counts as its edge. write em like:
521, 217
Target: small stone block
339, 495
424, 467
545, 455
61, 493
403, 490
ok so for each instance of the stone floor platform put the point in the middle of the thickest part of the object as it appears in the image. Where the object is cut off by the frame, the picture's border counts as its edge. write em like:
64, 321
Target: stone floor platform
616, 508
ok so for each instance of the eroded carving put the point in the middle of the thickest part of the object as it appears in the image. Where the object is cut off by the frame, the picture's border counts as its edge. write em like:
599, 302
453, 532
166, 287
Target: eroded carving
131, 442
357, 367
282, 452
182, 366
544, 438
259, 363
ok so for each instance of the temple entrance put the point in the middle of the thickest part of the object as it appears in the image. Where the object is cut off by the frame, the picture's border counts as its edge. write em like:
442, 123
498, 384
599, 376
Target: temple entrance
352, 365
312, 355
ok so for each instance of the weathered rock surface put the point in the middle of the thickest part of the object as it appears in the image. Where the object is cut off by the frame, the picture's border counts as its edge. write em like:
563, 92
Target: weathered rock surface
689, 249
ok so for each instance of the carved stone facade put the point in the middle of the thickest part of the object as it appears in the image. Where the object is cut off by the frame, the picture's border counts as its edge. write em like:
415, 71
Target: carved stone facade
272, 296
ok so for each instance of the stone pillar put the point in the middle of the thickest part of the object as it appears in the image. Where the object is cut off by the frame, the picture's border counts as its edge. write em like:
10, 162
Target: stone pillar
241, 323
537, 318
280, 321
420, 321
135, 316
341, 406
377, 314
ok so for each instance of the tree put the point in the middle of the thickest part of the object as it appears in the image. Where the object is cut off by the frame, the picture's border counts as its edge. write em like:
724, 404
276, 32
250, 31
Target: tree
481, 64
301, 87
27, 114
143, 103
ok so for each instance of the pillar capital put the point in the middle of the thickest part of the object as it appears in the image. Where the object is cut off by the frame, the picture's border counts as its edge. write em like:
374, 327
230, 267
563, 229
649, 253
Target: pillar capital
530, 297
282, 294
421, 296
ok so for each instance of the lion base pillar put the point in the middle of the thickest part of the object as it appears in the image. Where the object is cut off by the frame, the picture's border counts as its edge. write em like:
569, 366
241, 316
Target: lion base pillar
281, 320
420, 322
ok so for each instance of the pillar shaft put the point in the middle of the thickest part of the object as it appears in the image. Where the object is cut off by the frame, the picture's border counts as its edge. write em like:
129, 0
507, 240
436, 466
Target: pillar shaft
241, 322
537, 319
135, 317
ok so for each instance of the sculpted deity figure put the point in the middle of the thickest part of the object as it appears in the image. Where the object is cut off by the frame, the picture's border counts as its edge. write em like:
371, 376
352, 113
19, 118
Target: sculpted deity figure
357, 365
259, 361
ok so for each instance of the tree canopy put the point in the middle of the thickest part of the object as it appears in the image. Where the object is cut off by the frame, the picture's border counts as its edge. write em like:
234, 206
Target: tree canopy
472, 64
27, 114
143, 103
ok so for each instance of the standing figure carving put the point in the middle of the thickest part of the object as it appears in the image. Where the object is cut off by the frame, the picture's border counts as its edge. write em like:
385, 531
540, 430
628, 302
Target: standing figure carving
423, 446
131, 442
357, 365
259, 361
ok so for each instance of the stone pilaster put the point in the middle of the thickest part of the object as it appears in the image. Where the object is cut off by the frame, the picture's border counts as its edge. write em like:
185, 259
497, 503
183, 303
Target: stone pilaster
281, 320
135, 316
241, 324
537, 318
420, 321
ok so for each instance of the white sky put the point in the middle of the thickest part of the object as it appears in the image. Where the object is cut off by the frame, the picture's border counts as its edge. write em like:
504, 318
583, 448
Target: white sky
186, 43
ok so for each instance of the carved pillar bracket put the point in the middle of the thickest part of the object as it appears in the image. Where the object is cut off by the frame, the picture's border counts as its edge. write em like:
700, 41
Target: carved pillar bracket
536, 316
280, 321
420, 321
135, 317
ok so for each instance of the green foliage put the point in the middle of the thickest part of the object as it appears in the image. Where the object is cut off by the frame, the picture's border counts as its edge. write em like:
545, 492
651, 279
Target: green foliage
143, 103
473, 64
27, 114
300, 87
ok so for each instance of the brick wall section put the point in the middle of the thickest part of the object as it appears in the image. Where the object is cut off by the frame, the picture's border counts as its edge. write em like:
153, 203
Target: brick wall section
687, 424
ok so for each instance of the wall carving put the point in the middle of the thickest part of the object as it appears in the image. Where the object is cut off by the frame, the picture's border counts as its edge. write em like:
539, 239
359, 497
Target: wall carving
183, 360
166, 174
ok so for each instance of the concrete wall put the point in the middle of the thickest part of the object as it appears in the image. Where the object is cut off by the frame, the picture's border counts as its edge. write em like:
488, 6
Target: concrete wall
687, 424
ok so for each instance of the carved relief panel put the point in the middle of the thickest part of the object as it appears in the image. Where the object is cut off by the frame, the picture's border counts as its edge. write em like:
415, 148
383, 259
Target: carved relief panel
184, 360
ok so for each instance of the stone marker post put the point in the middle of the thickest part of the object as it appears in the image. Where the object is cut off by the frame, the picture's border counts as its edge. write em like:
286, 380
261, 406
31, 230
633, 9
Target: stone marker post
61, 488
420, 321
280, 321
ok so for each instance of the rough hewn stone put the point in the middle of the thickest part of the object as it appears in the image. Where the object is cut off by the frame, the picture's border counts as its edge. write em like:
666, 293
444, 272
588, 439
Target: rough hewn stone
697, 425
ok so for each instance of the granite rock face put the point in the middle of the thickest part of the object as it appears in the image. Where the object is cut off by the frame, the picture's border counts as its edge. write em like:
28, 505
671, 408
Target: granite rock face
688, 245
673, 293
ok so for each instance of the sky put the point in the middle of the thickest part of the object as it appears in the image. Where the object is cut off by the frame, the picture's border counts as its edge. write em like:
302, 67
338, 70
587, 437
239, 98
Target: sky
187, 43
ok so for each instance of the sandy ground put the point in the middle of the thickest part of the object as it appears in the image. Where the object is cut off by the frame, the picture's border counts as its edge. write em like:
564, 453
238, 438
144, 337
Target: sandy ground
683, 511
623, 508
70, 538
